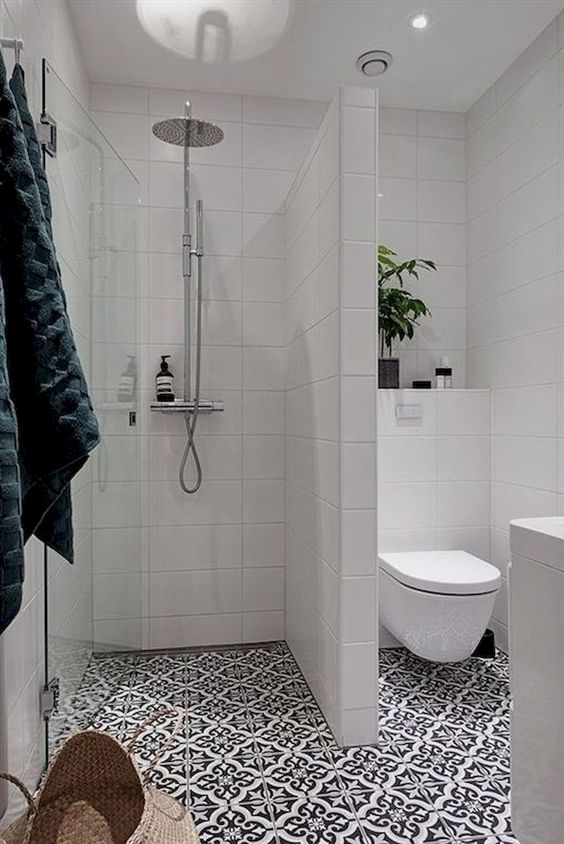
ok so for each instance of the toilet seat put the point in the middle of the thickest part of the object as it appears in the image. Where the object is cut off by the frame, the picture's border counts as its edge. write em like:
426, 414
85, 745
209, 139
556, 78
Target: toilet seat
442, 572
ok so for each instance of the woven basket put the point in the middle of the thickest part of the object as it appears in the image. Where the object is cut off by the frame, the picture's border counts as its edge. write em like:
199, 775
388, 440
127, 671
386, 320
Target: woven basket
94, 794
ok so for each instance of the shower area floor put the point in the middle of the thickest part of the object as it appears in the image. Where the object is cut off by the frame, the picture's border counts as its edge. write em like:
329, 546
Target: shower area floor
256, 762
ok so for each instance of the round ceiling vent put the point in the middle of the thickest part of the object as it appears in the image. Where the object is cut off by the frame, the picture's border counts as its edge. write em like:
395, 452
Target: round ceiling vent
374, 63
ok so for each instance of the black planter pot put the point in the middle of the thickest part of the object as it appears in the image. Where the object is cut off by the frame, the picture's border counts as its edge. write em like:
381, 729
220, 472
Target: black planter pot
388, 373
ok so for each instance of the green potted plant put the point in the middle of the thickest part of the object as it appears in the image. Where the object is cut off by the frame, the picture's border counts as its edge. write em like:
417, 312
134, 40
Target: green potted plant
399, 311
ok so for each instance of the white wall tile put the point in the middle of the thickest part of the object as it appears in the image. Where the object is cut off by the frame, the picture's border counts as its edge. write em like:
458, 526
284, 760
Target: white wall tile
282, 112
358, 208
407, 506
358, 542
264, 279
462, 413
533, 58
359, 266
263, 324
358, 409
275, 147
397, 156
222, 456
358, 675
528, 105
357, 96
263, 626
128, 133
531, 155
441, 158
530, 411
265, 190
195, 593
358, 609
482, 146
263, 589
397, 121
407, 459
263, 457
359, 475
528, 461
212, 629
482, 109
397, 199
198, 547
264, 368
441, 124
441, 202
463, 503
464, 461
263, 501
445, 242
219, 502
357, 342
263, 235
263, 413
263, 545
120, 98
358, 140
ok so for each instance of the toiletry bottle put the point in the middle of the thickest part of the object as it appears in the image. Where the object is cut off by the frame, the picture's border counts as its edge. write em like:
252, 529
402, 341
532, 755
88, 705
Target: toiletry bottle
128, 381
164, 381
439, 378
443, 374
444, 363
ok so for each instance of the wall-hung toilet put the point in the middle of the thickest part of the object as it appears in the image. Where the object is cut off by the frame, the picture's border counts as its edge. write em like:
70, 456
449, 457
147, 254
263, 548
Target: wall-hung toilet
437, 603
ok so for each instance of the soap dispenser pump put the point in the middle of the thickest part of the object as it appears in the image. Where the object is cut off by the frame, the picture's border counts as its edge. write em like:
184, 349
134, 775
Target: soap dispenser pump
164, 381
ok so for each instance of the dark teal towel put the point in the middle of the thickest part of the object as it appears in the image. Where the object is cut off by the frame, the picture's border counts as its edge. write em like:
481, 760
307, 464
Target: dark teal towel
56, 528
57, 427
11, 536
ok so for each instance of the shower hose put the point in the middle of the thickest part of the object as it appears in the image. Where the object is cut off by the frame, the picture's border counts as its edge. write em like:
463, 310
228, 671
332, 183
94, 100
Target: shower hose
191, 419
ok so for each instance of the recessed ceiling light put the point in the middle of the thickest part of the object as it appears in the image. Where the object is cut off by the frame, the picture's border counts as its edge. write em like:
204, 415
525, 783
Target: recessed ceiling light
420, 21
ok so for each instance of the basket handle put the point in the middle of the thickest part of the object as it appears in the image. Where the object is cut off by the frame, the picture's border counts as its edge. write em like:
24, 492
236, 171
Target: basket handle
169, 710
32, 808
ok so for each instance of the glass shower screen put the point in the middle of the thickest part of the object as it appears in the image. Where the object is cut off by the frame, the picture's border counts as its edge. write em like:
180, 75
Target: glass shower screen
95, 605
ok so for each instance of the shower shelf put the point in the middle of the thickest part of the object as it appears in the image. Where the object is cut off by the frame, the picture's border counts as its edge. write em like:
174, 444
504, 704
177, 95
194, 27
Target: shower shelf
179, 405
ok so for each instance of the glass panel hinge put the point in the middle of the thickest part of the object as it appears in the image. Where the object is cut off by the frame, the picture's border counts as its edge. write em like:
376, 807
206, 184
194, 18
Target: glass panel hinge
47, 134
49, 698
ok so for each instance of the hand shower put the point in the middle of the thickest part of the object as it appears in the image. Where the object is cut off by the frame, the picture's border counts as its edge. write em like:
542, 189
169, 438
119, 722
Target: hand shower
188, 132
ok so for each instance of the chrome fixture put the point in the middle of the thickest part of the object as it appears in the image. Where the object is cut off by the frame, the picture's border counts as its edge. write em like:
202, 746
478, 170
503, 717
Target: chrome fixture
47, 134
188, 132
15, 44
181, 406
179, 130
375, 62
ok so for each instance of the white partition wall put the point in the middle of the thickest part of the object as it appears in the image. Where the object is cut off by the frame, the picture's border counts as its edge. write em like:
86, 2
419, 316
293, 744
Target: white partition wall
330, 417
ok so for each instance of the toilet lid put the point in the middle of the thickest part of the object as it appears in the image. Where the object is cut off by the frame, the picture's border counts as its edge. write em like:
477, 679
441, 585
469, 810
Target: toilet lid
443, 572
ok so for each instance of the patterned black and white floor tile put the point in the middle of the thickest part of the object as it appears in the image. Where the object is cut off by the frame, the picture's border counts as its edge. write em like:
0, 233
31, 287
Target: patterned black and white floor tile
255, 761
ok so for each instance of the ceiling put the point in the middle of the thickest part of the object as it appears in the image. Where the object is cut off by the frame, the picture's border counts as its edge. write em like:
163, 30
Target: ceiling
447, 66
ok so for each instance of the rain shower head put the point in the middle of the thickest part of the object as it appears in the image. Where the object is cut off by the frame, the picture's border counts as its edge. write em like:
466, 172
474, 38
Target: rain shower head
188, 132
